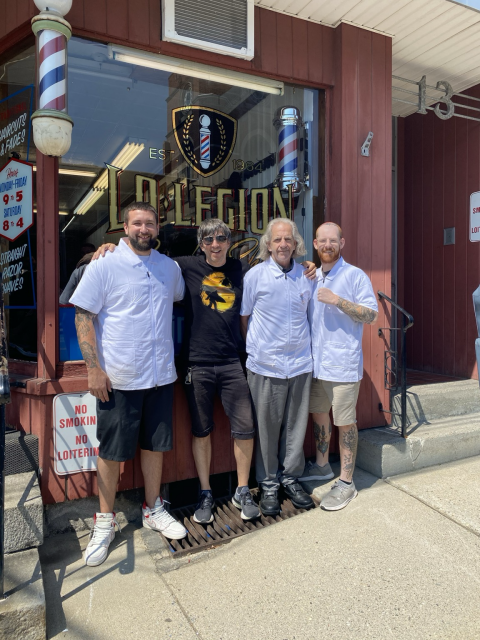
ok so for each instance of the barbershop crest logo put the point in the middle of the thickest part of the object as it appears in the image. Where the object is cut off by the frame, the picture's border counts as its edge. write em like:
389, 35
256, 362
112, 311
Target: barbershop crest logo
206, 137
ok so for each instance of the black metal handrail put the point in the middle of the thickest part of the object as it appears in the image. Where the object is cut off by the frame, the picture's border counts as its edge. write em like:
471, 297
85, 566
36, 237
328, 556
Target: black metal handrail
397, 357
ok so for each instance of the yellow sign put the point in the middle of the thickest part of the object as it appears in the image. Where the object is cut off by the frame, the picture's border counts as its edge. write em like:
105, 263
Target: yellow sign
241, 209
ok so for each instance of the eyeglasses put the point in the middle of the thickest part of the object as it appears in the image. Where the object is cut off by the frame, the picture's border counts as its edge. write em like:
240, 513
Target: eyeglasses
209, 239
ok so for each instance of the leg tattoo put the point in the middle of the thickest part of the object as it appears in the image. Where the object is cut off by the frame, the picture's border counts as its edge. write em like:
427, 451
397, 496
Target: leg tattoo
321, 437
349, 442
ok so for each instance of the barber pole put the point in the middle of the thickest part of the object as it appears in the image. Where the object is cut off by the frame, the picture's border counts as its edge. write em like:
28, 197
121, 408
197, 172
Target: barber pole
52, 127
52, 58
287, 121
205, 136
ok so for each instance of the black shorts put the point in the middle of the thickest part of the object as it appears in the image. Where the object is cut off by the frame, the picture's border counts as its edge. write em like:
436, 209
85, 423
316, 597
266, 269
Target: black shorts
228, 380
129, 418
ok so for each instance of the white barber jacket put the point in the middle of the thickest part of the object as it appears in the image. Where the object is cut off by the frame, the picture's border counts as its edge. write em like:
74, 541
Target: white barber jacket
278, 338
133, 301
336, 338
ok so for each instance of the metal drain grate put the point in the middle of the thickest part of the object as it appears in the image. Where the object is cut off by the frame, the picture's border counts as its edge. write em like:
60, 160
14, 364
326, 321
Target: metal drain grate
21, 452
227, 525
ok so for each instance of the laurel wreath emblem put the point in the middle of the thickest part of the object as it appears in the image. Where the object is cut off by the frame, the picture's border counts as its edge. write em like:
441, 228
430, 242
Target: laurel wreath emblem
187, 142
188, 148
223, 143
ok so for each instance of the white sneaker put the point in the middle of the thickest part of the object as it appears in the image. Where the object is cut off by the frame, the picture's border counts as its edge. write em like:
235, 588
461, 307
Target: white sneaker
101, 536
159, 519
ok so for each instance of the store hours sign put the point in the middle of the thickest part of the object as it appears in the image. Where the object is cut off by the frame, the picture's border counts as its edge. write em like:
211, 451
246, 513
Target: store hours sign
16, 199
475, 217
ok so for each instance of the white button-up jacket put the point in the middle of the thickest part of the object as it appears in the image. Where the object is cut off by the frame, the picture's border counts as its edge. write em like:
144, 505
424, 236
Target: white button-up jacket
336, 338
278, 338
133, 301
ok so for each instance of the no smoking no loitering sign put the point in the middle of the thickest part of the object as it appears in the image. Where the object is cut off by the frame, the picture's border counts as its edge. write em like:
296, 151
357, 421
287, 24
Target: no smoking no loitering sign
16, 198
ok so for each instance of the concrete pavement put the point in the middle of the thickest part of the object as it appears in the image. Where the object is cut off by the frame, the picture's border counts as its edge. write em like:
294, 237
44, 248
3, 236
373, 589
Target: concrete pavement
399, 562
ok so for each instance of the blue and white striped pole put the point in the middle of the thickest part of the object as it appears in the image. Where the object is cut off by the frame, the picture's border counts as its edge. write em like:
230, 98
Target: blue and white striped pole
287, 122
52, 63
52, 127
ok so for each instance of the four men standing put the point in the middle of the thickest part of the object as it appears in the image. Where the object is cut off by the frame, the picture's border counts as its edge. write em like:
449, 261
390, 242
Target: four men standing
131, 294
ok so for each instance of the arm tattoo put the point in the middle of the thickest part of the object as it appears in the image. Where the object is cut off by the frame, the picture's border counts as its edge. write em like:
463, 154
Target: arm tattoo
86, 336
89, 354
83, 321
357, 312
321, 437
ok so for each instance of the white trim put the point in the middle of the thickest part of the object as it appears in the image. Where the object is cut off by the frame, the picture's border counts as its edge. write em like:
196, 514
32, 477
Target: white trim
326, 24
170, 35
195, 69
361, 26
295, 15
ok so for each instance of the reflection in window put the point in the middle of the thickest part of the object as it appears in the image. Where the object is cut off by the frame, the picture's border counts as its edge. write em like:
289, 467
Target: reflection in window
193, 148
18, 257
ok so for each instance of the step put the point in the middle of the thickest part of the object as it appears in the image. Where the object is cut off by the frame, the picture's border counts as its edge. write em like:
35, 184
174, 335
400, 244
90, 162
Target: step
22, 612
383, 452
426, 402
23, 512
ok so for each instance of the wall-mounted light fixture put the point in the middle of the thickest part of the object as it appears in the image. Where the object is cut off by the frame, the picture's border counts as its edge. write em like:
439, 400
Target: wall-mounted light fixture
194, 69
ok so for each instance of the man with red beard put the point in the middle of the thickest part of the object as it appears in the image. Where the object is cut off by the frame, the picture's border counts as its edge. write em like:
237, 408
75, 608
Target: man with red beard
344, 301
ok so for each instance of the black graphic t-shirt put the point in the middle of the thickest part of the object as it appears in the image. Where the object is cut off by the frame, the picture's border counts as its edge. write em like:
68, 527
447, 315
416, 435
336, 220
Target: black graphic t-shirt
213, 296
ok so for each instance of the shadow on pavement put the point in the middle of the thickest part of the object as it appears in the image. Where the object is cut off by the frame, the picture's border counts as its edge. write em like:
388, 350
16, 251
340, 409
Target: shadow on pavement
65, 574
362, 479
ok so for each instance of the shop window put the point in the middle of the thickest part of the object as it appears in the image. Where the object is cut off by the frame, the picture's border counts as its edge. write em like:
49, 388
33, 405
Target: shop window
18, 257
192, 147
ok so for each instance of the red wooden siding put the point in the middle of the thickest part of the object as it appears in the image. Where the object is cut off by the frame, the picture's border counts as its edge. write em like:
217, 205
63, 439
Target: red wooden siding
354, 67
285, 47
441, 168
359, 198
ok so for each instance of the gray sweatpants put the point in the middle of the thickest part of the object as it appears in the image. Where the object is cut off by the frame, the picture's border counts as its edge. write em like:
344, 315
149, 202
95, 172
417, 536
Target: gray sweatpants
281, 412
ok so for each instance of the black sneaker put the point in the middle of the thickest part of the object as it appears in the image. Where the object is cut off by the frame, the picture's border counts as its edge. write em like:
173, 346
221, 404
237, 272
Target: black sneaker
244, 501
298, 496
203, 510
269, 504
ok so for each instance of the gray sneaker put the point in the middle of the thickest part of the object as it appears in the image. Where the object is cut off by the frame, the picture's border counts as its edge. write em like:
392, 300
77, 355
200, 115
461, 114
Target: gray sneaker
339, 496
244, 501
313, 471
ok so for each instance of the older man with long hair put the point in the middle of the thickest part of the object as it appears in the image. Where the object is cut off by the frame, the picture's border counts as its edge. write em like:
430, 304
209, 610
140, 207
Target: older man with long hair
274, 322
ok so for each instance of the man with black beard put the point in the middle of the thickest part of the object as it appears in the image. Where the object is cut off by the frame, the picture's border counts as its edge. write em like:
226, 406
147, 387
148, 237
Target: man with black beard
343, 302
123, 316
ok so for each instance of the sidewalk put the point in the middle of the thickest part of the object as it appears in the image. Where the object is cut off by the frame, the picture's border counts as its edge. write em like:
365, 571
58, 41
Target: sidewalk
402, 561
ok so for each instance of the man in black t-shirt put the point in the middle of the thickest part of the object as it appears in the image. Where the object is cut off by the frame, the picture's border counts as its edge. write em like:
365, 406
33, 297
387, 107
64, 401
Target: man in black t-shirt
211, 345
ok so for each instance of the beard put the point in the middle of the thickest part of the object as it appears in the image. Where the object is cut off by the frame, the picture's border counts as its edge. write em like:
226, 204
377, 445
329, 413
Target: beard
143, 245
329, 256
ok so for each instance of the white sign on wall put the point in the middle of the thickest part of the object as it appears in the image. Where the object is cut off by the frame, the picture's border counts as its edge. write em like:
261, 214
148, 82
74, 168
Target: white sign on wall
16, 199
475, 217
75, 433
